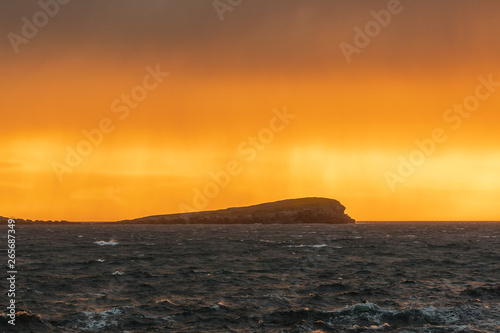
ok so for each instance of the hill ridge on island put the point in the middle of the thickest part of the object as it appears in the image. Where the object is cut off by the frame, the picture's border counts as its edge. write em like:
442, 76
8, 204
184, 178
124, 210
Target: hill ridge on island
290, 211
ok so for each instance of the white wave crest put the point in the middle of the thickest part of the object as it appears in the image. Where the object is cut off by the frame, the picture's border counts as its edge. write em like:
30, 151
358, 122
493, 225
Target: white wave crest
110, 242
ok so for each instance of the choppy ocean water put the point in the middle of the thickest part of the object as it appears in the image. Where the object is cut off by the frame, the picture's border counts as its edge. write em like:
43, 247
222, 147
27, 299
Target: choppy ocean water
398, 277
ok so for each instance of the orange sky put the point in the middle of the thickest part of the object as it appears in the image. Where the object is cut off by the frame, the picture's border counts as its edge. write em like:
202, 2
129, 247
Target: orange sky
348, 127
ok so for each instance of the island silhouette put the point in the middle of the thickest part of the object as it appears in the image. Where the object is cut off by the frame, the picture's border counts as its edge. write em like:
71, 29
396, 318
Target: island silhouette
291, 211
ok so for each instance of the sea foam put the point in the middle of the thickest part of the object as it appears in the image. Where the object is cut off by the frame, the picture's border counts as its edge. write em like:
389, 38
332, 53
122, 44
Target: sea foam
111, 242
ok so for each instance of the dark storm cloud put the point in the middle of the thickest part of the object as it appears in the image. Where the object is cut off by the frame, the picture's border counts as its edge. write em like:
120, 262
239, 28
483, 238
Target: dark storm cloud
282, 32
155, 20
252, 31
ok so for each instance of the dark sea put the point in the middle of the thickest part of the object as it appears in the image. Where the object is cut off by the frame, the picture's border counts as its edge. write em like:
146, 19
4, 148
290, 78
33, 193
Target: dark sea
389, 277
